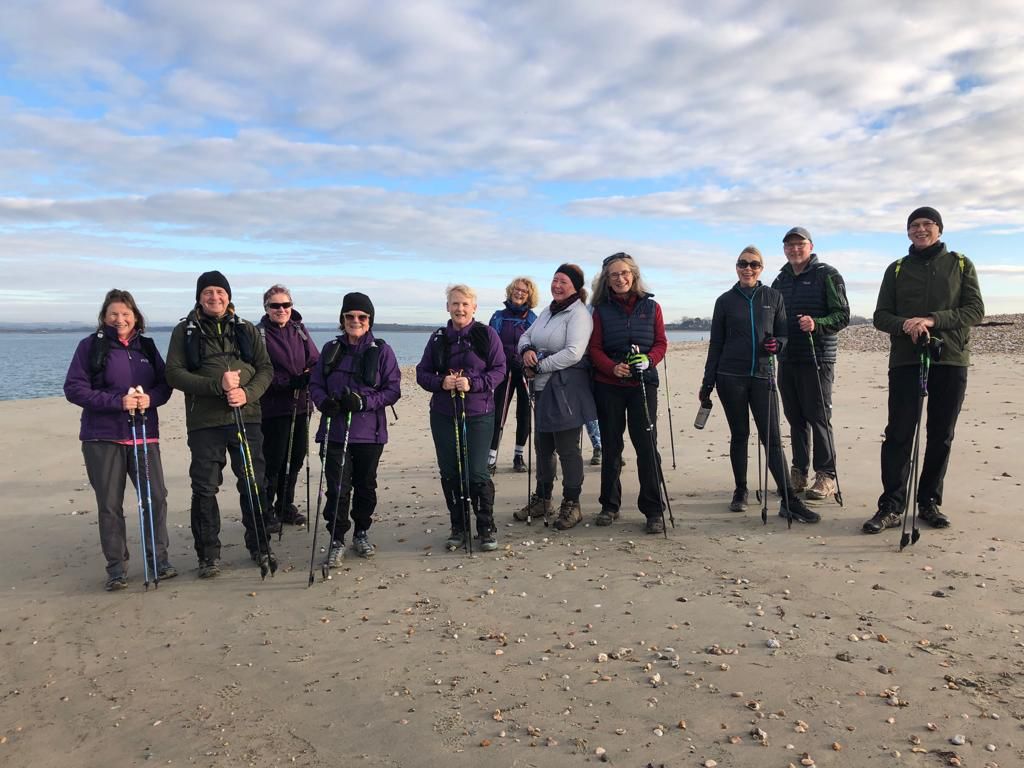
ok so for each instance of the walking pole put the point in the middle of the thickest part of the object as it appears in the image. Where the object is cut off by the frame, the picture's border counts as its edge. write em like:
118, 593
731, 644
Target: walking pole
320, 487
309, 416
283, 497
827, 410
138, 492
654, 446
325, 569
149, 499
910, 497
463, 497
777, 423
504, 414
267, 560
762, 478
668, 403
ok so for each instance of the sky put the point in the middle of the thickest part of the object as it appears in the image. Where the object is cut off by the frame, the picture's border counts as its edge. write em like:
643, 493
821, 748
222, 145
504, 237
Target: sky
395, 148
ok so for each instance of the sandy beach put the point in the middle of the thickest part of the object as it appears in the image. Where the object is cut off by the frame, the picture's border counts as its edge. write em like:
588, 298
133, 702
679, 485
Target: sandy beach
729, 643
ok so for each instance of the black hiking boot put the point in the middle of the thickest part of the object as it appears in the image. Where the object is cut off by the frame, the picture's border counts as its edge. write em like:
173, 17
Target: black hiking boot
798, 511
739, 500
882, 519
930, 513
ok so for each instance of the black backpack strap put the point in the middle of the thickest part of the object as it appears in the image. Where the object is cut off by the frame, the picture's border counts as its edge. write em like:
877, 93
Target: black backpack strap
480, 340
99, 349
370, 369
245, 339
333, 352
193, 345
440, 353
148, 347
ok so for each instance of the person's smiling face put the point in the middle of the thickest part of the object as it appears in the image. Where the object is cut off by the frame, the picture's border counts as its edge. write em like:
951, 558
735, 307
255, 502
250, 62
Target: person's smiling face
561, 287
923, 233
461, 308
120, 317
214, 300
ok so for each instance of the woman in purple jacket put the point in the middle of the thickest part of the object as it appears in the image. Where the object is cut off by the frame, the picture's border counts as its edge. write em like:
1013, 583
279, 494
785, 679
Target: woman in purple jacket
356, 378
510, 322
106, 374
464, 361
285, 404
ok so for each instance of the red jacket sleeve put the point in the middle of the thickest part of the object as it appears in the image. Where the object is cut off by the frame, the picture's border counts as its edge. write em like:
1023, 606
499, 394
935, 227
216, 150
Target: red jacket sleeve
657, 353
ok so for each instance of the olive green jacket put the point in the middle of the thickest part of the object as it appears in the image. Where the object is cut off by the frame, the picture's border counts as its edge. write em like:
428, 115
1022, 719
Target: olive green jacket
205, 402
944, 287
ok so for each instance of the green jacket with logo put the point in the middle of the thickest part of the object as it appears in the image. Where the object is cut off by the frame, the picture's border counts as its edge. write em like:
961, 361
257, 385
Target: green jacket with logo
218, 351
942, 285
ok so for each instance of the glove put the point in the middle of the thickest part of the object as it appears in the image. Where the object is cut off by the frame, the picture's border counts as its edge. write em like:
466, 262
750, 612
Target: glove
770, 345
705, 392
352, 401
638, 361
330, 407
299, 381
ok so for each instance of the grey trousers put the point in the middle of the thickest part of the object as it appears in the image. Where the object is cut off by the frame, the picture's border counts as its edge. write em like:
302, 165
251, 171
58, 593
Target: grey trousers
108, 466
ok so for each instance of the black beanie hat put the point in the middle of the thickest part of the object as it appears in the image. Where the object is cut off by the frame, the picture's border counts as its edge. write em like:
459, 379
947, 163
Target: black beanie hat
574, 273
359, 302
926, 213
213, 278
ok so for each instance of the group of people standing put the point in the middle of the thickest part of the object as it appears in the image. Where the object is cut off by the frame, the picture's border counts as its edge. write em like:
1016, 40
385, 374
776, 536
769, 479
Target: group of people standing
250, 393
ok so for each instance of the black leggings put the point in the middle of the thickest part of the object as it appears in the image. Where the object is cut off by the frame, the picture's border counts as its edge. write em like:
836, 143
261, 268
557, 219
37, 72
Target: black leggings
522, 397
740, 395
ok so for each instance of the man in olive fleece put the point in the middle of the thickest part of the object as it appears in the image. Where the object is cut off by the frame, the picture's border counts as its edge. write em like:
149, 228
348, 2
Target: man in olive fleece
931, 293
221, 363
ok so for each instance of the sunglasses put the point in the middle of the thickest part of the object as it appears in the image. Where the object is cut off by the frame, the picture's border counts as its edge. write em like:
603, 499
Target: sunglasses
620, 256
744, 264
279, 305
356, 318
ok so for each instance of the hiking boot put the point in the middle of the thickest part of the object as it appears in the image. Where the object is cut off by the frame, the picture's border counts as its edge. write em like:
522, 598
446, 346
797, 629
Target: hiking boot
739, 500
654, 525
595, 459
930, 514
336, 554
271, 524
569, 514
883, 518
361, 544
116, 583
166, 571
456, 540
798, 511
290, 515
537, 507
488, 542
824, 486
797, 481
606, 517
518, 465
208, 569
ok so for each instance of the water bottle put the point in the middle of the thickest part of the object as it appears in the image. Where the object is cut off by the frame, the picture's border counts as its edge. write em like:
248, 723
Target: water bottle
703, 413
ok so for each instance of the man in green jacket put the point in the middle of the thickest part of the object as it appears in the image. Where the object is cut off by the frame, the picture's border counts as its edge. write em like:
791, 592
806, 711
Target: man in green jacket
221, 364
929, 294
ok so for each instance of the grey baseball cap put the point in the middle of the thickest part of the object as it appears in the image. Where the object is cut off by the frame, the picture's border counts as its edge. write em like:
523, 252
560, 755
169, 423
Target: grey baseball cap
798, 232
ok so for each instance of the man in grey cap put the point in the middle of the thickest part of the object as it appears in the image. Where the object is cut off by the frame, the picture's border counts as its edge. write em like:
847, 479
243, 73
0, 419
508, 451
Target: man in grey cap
816, 309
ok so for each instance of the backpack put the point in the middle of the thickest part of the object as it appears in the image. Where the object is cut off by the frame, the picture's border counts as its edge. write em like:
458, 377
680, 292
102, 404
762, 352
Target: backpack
440, 346
194, 342
99, 351
369, 365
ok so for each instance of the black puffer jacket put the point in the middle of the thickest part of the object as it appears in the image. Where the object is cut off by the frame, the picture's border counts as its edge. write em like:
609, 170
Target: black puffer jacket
739, 326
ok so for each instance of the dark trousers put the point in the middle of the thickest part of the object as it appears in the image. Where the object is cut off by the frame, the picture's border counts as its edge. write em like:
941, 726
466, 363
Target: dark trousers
108, 466
352, 488
567, 445
206, 471
743, 395
617, 408
478, 435
947, 385
522, 398
278, 489
807, 415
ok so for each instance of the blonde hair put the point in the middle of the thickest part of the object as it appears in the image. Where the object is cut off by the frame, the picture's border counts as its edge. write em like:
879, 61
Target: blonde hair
533, 294
465, 290
752, 249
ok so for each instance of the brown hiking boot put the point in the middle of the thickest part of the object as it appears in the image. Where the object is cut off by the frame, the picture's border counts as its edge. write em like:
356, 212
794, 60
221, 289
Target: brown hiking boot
797, 480
824, 486
537, 507
569, 514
